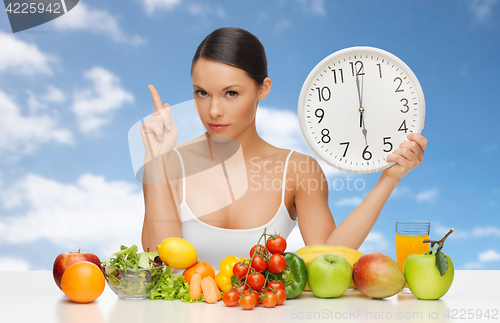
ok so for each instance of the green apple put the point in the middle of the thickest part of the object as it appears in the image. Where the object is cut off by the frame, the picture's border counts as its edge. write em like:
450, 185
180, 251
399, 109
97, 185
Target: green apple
329, 275
423, 277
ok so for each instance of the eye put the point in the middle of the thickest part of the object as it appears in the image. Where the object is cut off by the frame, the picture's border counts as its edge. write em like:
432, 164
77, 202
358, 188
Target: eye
201, 93
231, 94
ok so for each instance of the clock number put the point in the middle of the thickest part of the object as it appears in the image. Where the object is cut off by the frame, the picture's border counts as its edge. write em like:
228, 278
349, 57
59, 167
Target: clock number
325, 132
321, 94
320, 116
365, 153
405, 105
346, 147
335, 76
379, 70
359, 70
387, 143
403, 127
400, 83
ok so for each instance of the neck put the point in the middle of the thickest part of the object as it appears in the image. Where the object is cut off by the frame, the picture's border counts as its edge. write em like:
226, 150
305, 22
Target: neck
251, 143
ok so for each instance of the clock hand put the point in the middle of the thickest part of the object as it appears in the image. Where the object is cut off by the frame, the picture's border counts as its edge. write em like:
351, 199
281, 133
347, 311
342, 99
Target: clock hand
359, 92
361, 109
364, 131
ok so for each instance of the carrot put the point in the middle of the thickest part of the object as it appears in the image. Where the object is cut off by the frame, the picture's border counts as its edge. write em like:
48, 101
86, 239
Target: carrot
195, 287
210, 290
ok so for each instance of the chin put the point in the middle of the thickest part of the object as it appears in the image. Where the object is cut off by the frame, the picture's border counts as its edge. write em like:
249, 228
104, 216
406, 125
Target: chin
221, 140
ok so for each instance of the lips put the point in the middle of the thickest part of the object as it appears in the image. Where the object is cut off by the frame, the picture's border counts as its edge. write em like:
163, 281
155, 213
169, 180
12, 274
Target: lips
218, 126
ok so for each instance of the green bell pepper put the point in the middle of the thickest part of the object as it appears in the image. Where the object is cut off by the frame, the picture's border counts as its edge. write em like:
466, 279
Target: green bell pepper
294, 277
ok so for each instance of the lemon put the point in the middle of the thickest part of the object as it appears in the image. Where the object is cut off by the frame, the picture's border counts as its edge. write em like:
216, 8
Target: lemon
177, 253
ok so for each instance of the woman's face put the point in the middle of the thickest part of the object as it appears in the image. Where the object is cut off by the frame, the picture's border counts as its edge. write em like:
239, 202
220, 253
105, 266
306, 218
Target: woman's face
226, 97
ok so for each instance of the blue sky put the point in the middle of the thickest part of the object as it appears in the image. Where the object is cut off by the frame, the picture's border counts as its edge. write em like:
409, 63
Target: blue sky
71, 89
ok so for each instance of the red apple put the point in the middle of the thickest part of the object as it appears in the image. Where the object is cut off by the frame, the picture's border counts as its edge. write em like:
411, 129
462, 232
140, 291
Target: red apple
377, 275
66, 259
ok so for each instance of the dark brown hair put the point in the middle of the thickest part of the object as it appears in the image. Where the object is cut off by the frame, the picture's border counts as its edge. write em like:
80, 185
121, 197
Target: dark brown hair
235, 47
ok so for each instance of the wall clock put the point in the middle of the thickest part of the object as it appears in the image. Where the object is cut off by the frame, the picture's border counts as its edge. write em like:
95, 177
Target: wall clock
357, 106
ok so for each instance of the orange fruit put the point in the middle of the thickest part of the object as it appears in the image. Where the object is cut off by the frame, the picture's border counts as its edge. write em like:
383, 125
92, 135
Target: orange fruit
201, 268
83, 282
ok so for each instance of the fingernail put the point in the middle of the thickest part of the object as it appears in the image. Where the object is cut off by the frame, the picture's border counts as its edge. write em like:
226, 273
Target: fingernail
169, 127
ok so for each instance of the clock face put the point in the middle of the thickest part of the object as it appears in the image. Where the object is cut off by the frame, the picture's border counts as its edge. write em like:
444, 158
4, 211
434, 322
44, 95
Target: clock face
357, 106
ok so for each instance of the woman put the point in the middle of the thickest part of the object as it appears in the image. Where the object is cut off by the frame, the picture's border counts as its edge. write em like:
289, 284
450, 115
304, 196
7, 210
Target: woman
229, 72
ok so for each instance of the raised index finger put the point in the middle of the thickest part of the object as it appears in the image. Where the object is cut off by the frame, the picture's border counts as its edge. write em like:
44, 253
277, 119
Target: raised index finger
156, 97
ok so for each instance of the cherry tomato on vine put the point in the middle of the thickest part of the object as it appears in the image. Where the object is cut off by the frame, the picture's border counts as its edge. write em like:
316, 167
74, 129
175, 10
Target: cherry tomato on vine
270, 300
255, 294
277, 263
281, 295
276, 244
276, 285
240, 289
231, 298
258, 263
239, 270
248, 302
256, 281
259, 248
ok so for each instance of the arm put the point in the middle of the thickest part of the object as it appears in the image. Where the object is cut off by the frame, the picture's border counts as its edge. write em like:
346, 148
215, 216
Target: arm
355, 228
314, 216
159, 135
161, 218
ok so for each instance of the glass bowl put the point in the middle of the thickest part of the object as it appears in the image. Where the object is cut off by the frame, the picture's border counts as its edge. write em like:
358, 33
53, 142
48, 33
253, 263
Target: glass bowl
133, 283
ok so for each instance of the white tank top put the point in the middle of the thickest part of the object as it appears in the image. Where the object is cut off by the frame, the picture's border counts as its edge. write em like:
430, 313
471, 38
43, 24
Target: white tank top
213, 244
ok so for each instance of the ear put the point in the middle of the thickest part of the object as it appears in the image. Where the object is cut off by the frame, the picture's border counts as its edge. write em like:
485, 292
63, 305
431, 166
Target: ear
264, 89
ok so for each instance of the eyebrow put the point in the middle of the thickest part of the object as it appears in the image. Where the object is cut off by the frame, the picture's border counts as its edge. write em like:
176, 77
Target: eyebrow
227, 87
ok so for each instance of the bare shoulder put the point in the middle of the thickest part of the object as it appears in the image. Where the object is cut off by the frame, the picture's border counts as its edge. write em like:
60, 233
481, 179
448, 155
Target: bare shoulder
304, 164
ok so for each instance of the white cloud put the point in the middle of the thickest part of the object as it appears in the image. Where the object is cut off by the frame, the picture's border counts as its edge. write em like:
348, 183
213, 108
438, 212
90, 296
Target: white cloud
472, 265
282, 25
94, 106
314, 6
401, 191
83, 17
54, 95
476, 232
489, 255
355, 201
429, 195
376, 241
204, 10
20, 57
13, 264
92, 212
21, 134
482, 10
280, 128
486, 231
151, 5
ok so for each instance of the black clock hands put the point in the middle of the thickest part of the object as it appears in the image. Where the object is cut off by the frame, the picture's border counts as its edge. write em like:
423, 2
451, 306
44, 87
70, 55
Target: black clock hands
361, 109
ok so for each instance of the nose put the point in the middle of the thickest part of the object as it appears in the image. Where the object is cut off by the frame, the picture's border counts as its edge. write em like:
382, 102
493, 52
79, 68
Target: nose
215, 110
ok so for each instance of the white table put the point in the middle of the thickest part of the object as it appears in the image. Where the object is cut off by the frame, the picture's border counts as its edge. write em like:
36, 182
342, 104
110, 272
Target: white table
34, 297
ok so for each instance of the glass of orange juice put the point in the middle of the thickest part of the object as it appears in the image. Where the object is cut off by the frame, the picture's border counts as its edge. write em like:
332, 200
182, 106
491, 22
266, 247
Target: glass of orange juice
409, 236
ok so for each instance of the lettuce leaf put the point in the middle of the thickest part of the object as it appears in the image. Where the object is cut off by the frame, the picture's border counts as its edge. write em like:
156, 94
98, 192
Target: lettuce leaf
173, 286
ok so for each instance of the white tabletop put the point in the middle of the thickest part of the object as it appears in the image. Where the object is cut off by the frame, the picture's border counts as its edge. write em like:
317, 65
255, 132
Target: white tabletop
34, 297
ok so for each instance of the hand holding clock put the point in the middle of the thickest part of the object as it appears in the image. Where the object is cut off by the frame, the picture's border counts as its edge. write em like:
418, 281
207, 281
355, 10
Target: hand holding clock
408, 156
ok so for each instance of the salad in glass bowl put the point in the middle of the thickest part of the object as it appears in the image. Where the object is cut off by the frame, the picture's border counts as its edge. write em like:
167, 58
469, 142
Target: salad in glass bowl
133, 275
